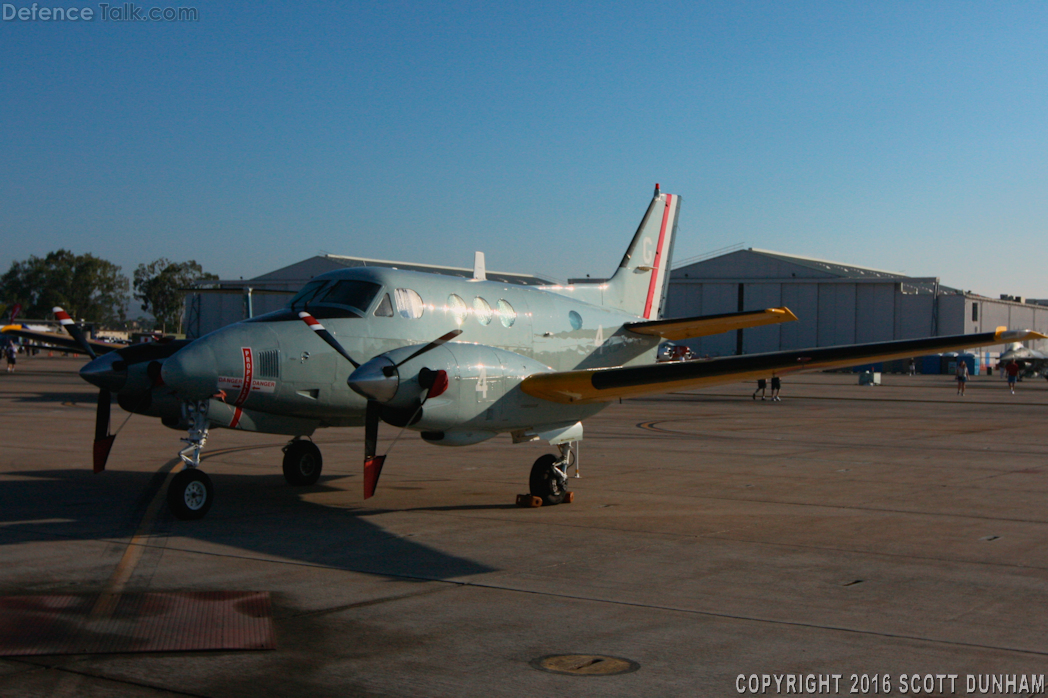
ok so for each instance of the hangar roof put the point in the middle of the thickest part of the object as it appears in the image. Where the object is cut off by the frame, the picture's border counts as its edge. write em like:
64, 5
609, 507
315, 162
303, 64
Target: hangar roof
834, 268
760, 264
297, 274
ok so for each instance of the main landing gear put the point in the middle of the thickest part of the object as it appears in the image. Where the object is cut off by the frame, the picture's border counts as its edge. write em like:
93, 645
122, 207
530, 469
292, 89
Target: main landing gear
302, 463
549, 476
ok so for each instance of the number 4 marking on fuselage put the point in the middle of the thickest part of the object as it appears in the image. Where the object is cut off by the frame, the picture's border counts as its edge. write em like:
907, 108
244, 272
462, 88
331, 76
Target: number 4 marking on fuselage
482, 384
599, 340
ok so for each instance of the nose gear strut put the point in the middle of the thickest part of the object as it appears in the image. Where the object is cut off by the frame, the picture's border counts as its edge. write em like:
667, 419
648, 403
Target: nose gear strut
190, 493
196, 414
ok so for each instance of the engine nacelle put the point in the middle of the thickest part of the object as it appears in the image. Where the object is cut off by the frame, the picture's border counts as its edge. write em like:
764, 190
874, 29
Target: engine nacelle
482, 394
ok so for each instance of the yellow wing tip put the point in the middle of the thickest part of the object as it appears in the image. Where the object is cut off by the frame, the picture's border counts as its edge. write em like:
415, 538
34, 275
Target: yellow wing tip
5, 328
787, 314
1003, 334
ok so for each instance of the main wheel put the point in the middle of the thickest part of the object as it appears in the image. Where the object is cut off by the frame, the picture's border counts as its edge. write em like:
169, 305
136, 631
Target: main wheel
302, 463
545, 482
190, 494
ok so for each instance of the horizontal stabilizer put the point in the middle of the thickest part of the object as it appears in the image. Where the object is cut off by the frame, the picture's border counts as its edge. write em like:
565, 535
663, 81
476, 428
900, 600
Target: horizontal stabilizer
705, 325
604, 384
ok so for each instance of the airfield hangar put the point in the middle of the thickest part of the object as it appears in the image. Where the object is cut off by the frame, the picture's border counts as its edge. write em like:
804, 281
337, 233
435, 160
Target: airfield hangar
835, 304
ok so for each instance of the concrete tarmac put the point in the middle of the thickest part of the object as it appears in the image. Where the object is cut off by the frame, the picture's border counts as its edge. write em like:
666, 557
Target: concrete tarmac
848, 530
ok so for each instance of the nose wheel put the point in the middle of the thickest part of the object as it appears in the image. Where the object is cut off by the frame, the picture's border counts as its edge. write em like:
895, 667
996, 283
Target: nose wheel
190, 494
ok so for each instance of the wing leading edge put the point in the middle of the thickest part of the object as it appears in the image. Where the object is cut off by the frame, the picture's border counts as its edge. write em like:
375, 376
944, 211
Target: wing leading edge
64, 341
705, 325
604, 384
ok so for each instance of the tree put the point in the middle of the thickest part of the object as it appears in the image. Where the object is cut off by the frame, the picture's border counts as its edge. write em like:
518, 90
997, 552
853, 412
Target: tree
84, 285
158, 285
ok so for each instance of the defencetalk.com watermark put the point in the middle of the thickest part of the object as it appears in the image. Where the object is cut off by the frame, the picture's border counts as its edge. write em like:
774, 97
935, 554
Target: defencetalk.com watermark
106, 12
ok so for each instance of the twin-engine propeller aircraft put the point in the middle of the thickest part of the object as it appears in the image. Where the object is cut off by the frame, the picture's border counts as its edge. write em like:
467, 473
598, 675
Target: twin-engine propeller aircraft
458, 360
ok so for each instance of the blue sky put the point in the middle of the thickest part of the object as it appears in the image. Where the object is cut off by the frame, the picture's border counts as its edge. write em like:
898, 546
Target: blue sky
911, 137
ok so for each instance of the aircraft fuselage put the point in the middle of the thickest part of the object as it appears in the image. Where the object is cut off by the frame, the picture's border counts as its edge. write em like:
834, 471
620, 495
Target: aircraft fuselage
299, 383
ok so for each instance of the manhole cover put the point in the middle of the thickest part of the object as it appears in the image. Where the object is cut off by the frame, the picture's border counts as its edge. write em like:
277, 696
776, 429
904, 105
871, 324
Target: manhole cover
584, 664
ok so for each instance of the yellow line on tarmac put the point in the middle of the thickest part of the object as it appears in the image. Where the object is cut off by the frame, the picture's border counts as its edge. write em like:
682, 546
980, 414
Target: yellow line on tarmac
110, 596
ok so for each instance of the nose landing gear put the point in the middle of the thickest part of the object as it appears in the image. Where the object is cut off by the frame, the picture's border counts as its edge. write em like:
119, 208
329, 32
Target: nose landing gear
190, 493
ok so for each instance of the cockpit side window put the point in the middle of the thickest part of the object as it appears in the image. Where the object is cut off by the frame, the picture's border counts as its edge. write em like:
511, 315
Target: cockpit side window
385, 307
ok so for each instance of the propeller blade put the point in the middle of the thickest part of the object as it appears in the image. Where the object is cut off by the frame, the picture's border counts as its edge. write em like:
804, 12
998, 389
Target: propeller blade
372, 462
315, 325
433, 345
371, 420
103, 439
74, 330
372, 469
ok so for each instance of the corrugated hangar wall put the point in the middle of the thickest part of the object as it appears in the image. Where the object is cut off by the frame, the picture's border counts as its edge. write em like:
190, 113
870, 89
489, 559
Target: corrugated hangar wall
835, 304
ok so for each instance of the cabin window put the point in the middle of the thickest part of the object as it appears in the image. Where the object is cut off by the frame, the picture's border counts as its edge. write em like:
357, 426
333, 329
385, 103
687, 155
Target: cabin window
507, 315
458, 308
575, 319
482, 310
409, 303
385, 307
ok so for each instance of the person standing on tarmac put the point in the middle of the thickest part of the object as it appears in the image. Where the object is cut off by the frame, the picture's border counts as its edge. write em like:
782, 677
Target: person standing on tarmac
1012, 369
775, 385
762, 388
962, 375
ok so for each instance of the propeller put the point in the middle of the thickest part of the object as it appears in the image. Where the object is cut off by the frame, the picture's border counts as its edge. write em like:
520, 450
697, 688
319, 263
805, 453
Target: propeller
315, 325
74, 331
378, 381
103, 439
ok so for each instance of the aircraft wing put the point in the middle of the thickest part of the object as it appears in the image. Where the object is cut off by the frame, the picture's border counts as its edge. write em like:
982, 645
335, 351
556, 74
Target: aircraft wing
64, 341
604, 384
704, 325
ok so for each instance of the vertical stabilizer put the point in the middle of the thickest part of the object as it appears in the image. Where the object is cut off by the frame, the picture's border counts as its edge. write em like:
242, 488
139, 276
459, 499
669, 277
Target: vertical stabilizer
640, 283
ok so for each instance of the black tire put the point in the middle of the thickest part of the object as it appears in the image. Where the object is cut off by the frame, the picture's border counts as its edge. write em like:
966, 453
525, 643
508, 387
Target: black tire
190, 494
302, 463
545, 483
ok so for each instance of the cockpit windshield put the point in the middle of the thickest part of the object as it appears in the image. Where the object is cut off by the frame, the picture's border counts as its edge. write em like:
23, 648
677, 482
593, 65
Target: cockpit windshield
303, 297
357, 295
